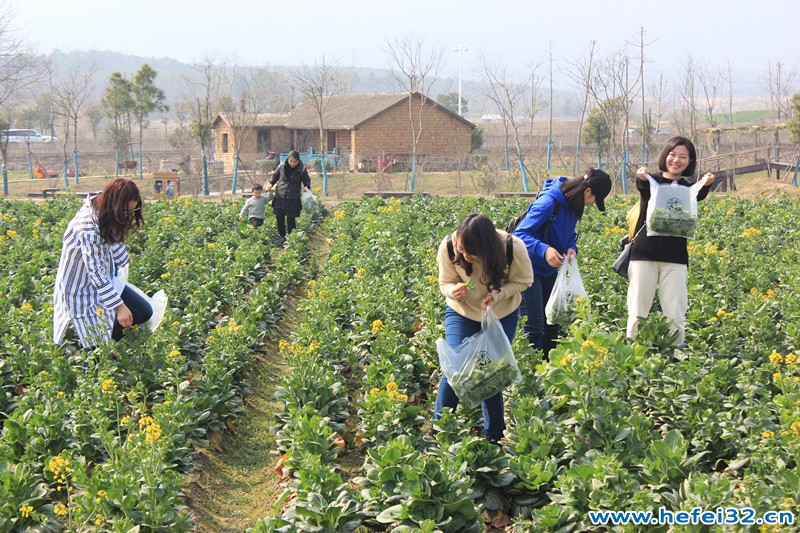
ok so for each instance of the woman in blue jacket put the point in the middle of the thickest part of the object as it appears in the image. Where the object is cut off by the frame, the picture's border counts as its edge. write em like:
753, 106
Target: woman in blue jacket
548, 231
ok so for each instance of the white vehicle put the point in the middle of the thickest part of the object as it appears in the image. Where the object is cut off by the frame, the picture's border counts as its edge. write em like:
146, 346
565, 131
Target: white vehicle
32, 136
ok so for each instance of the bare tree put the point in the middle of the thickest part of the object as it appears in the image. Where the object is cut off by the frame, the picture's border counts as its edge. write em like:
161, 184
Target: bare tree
581, 73
711, 88
70, 93
687, 91
780, 86
658, 94
507, 94
550, 104
247, 98
19, 71
415, 67
644, 130
613, 89
317, 85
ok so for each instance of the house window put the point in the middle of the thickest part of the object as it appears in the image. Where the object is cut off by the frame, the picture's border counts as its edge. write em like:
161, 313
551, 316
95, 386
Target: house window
264, 140
224, 143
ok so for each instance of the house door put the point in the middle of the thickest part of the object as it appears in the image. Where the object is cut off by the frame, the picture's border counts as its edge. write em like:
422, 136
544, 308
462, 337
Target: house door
331, 140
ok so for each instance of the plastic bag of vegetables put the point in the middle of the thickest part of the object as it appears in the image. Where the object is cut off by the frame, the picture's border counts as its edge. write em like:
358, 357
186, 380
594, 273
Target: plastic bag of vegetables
482, 365
672, 209
560, 307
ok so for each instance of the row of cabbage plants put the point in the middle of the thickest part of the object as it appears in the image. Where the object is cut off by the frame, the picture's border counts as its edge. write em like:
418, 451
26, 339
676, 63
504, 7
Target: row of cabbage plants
108, 449
606, 424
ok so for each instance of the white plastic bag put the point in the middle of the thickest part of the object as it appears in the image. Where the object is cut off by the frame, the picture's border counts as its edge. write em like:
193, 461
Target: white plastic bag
159, 304
482, 365
672, 209
310, 202
560, 308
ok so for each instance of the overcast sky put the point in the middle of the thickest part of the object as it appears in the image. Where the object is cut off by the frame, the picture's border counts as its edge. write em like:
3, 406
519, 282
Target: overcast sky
354, 32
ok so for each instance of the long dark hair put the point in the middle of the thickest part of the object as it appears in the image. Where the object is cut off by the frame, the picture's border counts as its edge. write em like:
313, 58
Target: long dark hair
573, 191
113, 217
479, 237
670, 146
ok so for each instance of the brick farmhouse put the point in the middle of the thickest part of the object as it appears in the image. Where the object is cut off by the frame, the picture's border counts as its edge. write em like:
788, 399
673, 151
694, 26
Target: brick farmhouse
368, 131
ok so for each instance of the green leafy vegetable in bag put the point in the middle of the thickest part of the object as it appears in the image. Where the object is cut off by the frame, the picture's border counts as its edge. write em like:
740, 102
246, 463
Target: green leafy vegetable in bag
674, 222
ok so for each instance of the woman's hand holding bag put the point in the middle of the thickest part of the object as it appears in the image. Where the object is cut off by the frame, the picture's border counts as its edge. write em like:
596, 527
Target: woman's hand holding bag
560, 308
482, 365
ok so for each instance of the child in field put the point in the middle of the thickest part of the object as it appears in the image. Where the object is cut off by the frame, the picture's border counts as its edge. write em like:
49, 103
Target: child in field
254, 207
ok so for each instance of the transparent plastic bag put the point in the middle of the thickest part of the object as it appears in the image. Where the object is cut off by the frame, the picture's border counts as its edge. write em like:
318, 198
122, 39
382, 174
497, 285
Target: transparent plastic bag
672, 209
482, 365
560, 308
159, 304
310, 202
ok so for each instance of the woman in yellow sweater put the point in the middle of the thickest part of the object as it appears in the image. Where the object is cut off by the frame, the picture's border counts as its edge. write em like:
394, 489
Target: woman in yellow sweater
479, 267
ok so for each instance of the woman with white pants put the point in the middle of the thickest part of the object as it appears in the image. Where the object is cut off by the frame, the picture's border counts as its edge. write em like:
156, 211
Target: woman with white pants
662, 263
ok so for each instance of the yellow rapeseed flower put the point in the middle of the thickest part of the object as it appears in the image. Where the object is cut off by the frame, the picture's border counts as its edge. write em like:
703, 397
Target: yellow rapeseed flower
109, 386
768, 434
25, 511
27, 307
11, 233
174, 353
60, 509
377, 325
791, 359
775, 358
361, 272
152, 433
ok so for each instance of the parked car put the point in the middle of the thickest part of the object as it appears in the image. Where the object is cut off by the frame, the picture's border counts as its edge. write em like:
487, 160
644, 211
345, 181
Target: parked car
25, 135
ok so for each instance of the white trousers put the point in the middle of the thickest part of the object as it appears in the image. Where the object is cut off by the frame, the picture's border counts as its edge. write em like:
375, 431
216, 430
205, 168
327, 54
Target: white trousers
644, 277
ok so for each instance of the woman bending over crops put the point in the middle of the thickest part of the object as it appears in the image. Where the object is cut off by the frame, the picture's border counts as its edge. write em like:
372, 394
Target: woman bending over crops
86, 290
480, 267
662, 262
548, 231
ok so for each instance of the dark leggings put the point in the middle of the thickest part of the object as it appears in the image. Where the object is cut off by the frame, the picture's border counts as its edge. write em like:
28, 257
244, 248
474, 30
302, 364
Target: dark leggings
139, 307
287, 222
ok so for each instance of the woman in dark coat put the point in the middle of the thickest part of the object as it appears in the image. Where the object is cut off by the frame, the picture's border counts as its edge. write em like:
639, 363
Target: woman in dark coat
290, 180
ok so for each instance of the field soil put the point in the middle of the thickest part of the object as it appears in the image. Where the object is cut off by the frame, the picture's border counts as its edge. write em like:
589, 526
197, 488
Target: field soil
235, 482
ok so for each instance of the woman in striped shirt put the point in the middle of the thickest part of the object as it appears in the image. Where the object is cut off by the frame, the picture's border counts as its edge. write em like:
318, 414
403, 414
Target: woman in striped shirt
87, 293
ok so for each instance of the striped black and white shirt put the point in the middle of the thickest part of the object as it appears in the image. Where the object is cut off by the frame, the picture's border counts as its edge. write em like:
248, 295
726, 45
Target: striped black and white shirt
85, 293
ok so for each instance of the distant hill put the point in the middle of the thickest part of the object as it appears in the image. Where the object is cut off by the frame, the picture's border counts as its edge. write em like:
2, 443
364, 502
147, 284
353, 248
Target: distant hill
367, 80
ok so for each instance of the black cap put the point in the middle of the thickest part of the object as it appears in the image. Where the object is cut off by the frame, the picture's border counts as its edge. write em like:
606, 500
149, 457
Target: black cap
600, 184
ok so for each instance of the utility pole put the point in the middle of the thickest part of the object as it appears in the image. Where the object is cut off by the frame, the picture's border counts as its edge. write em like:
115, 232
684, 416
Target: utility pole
460, 49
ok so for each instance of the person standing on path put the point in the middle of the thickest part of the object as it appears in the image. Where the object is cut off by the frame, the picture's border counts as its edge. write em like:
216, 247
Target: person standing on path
290, 180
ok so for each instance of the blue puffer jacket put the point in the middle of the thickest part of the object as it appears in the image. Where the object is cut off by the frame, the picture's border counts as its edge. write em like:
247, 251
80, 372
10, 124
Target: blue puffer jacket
561, 235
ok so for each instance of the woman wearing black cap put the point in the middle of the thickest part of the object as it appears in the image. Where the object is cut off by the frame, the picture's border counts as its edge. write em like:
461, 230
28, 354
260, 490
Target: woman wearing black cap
548, 231
662, 262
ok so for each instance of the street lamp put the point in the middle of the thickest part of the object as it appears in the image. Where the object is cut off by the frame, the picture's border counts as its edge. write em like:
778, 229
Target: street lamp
460, 49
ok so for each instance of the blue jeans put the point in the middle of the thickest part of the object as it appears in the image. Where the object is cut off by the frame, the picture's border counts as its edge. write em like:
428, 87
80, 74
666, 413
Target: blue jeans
540, 334
457, 328
139, 307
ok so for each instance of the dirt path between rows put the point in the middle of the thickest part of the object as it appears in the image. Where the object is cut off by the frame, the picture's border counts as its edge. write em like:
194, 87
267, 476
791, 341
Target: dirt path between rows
235, 486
